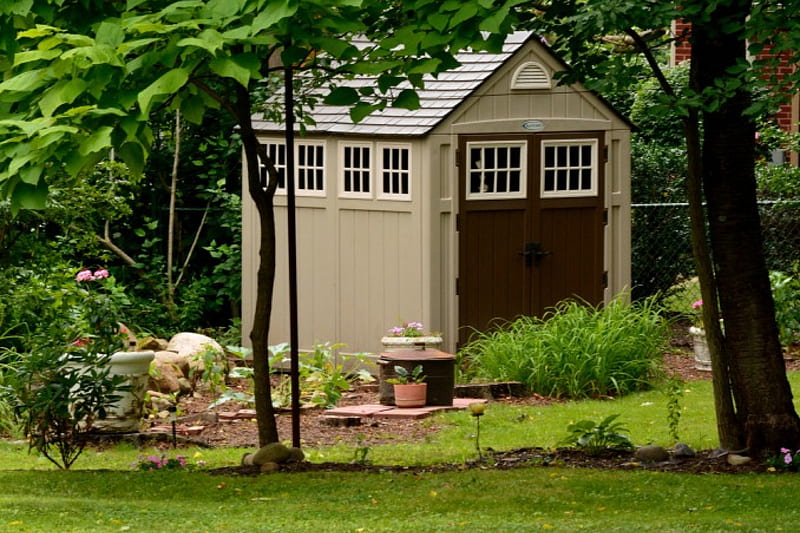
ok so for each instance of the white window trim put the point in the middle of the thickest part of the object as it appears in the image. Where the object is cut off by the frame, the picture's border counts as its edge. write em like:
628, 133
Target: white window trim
379, 169
371, 169
515, 195
319, 165
583, 193
281, 191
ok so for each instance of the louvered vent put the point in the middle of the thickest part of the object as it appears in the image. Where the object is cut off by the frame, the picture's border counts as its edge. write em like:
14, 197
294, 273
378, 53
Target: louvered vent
531, 75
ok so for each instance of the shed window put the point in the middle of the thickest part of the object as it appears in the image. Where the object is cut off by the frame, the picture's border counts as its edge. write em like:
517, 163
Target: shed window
277, 154
356, 180
569, 168
395, 172
496, 171
309, 167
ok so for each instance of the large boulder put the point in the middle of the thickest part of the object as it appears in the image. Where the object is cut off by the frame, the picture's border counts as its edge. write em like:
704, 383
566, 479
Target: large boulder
165, 377
179, 361
197, 348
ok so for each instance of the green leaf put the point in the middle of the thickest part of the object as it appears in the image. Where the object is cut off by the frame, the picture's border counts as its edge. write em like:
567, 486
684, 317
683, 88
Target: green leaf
439, 22
273, 13
342, 96
361, 110
242, 67
169, 83
29, 196
209, 40
407, 99
98, 141
64, 92
28, 81
465, 13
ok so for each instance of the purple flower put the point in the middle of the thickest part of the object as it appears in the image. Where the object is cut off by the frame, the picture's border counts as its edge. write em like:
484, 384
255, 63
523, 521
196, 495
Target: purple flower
787, 458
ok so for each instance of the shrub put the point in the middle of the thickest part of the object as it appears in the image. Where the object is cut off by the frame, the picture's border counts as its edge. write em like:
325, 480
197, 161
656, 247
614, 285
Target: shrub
575, 351
596, 438
786, 293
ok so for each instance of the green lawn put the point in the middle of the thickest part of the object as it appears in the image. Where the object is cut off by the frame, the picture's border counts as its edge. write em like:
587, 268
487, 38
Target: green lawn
102, 493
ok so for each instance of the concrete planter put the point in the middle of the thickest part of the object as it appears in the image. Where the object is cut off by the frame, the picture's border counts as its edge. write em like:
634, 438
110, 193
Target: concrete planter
125, 414
396, 344
702, 355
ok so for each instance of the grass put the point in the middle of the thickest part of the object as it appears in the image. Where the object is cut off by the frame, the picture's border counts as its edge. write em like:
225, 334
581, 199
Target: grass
104, 494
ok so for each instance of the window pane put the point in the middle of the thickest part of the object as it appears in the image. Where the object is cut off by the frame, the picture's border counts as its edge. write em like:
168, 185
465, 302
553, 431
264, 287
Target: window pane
586, 155
502, 181
574, 155
561, 180
574, 179
475, 182
514, 182
549, 156
586, 179
549, 180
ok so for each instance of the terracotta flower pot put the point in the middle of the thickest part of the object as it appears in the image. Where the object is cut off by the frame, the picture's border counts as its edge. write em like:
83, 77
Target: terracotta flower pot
410, 394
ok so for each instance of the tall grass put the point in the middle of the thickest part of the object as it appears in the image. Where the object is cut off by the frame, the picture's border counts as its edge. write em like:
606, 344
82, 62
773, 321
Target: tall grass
575, 350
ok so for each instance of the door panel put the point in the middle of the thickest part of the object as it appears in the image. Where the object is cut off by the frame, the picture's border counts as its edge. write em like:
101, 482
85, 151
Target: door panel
562, 233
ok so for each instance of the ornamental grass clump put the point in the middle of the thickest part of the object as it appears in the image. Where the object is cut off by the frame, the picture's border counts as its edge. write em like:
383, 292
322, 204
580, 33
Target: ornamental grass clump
575, 350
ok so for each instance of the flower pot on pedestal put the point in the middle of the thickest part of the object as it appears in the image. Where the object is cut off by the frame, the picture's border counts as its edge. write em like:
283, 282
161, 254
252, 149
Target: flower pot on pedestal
702, 355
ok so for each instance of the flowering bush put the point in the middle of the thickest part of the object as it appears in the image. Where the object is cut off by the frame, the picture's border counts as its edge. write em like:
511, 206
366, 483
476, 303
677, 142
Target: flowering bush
408, 329
151, 463
785, 460
99, 312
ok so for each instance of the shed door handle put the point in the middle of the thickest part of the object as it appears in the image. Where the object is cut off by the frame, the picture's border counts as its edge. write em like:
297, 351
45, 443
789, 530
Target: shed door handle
533, 253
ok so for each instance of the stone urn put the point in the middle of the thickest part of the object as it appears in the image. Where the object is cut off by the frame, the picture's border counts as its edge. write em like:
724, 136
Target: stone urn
702, 355
125, 414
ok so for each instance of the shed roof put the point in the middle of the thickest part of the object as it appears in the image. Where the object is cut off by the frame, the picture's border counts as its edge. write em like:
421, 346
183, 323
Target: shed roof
440, 96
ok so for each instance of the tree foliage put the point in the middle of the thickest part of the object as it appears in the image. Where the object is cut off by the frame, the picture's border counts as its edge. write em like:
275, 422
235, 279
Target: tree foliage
82, 76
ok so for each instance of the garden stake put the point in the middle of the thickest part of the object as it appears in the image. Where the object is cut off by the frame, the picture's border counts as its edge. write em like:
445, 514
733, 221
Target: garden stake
477, 410
173, 416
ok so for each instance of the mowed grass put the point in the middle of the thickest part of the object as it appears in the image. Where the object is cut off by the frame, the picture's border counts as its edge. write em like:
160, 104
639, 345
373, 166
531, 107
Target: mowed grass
102, 493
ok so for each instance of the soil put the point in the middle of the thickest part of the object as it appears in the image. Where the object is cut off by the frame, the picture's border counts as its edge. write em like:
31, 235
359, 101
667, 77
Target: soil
196, 427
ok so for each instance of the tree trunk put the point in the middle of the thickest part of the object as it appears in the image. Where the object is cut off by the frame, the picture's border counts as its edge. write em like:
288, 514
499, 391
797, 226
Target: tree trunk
758, 377
265, 278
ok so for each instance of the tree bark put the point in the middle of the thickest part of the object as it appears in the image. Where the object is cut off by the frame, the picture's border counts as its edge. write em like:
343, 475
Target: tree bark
265, 278
760, 387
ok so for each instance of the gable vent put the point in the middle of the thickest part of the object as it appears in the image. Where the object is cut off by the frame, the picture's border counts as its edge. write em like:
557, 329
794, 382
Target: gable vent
531, 75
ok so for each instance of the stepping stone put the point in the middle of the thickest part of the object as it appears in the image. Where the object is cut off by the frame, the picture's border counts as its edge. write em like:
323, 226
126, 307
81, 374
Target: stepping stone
358, 410
341, 421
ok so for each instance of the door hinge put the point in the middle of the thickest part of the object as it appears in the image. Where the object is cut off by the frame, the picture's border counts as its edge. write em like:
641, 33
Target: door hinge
457, 287
605, 154
458, 154
605, 217
458, 222
605, 279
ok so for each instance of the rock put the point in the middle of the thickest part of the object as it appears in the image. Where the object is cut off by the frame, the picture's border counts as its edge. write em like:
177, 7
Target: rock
159, 400
296, 455
247, 459
269, 468
153, 343
181, 362
164, 377
275, 452
651, 454
194, 345
683, 451
738, 460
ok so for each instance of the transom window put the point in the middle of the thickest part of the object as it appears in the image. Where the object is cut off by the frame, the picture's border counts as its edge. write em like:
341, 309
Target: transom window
496, 170
370, 170
569, 168
309, 167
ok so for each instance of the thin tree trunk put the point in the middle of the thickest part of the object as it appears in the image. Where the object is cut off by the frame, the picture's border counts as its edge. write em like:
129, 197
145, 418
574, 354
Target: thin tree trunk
171, 224
265, 277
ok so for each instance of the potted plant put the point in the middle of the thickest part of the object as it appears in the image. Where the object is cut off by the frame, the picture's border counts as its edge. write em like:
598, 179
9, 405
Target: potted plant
410, 389
410, 335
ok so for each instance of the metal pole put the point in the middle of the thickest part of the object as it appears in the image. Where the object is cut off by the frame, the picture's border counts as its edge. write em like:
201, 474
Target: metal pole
294, 369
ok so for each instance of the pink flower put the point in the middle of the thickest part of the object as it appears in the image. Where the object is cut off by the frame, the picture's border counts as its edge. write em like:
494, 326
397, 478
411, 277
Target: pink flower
101, 273
787, 458
84, 275
697, 304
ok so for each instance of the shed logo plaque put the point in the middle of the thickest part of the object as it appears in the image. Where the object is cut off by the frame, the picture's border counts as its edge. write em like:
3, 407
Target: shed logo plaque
533, 125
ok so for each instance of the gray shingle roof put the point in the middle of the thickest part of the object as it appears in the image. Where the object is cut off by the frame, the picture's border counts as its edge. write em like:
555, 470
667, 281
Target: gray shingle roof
440, 96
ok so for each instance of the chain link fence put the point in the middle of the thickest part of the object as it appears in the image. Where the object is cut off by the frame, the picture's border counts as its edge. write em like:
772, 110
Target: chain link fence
661, 249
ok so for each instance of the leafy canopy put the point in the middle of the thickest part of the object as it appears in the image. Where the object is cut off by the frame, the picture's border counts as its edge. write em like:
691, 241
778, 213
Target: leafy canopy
82, 76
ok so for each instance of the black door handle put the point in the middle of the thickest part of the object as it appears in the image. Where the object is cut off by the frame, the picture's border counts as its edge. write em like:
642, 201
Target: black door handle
533, 253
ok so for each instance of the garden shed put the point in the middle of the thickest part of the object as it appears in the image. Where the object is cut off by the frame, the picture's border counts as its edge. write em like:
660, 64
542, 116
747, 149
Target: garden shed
502, 195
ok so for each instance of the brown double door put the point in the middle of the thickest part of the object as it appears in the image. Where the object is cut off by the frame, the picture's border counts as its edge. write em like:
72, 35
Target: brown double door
530, 224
